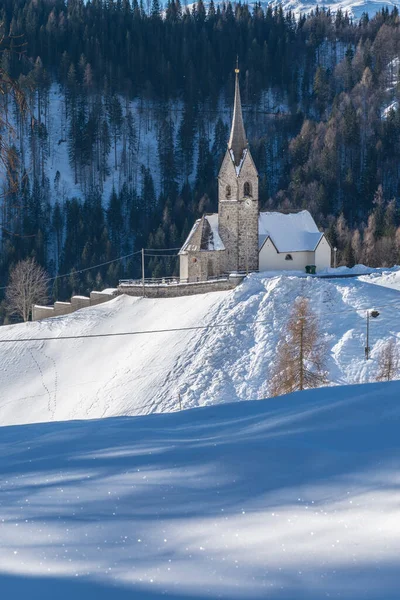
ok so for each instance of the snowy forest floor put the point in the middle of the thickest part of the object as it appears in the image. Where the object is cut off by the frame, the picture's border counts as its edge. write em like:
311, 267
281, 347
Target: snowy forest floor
141, 374
290, 498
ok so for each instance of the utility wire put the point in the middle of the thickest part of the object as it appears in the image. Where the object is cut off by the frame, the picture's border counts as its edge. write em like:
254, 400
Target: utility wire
108, 262
159, 249
162, 255
192, 328
78, 271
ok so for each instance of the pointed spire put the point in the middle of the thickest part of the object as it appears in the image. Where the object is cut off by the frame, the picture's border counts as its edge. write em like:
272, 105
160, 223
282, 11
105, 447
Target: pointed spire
237, 141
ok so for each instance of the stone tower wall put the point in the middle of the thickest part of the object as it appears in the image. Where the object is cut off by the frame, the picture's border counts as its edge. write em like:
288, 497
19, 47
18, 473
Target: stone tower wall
204, 264
238, 221
248, 172
248, 217
227, 176
248, 236
228, 228
228, 215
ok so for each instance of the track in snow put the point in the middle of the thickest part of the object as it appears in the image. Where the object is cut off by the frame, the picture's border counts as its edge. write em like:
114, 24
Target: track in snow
80, 379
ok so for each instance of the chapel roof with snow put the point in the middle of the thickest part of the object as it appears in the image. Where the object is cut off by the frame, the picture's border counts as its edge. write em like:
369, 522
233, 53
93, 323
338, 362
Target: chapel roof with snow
203, 236
293, 232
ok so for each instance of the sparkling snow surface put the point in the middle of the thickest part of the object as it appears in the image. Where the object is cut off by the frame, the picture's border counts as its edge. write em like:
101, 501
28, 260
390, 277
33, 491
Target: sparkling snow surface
295, 498
141, 374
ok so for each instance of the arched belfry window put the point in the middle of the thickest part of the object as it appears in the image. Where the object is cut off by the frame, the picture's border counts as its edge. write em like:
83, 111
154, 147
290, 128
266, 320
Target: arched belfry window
247, 189
228, 191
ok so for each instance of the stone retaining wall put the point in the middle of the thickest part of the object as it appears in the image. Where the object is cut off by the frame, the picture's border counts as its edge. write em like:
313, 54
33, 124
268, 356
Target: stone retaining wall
65, 308
171, 290
180, 289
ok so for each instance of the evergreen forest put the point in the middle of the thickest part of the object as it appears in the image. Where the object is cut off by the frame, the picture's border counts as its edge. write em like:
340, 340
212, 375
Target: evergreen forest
128, 107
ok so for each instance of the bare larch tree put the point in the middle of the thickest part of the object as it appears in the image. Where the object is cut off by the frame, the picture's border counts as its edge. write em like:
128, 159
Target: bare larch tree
388, 362
301, 353
27, 286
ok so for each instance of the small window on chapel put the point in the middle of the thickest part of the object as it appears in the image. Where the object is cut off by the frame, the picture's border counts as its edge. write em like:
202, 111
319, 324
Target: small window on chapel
247, 189
288, 257
228, 191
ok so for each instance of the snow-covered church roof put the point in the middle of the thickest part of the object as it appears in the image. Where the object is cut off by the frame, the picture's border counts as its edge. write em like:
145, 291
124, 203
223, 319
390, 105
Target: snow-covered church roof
203, 236
294, 232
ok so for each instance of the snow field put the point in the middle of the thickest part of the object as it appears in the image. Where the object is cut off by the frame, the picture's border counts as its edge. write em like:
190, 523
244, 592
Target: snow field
87, 378
141, 374
290, 498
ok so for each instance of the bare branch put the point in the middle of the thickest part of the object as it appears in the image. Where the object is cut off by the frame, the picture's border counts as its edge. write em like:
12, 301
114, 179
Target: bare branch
28, 285
388, 362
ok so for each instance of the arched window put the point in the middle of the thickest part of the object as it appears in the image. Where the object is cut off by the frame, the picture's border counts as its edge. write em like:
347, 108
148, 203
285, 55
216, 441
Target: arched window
228, 191
288, 257
247, 189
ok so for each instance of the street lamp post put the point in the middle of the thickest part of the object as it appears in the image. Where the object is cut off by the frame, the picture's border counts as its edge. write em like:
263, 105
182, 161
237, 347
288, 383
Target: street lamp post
334, 257
373, 314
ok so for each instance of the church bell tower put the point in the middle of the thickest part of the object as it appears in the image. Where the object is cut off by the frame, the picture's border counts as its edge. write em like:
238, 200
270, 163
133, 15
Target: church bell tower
238, 206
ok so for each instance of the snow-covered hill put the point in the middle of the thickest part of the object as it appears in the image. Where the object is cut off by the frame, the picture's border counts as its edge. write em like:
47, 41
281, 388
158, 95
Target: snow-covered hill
140, 374
355, 8
286, 499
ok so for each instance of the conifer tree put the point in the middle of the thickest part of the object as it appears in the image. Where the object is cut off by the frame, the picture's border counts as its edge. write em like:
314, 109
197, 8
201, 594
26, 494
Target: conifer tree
167, 160
115, 219
116, 119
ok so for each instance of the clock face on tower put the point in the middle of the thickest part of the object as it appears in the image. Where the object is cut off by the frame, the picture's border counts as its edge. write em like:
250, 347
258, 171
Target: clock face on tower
247, 202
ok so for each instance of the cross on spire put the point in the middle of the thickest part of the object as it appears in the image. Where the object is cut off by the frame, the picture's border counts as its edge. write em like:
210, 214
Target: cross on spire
237, 141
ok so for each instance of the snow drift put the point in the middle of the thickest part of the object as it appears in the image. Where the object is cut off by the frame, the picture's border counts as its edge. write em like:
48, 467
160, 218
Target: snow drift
284, 499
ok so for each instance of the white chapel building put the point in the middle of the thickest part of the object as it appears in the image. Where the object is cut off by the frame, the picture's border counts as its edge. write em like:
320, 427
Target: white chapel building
240, 239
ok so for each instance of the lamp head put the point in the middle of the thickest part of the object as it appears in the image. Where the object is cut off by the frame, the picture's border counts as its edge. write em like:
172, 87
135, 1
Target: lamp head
374, 314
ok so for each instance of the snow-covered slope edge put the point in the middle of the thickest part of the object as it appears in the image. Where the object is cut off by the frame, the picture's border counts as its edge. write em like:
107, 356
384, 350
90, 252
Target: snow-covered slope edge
130, 375
354, 8
292, 498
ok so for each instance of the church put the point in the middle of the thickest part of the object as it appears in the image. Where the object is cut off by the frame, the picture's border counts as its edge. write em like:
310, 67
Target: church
240, 239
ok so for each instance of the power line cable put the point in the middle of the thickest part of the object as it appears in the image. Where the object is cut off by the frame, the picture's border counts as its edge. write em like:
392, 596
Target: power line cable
78, 271
108, 262
160, 249
184, 329
162, 255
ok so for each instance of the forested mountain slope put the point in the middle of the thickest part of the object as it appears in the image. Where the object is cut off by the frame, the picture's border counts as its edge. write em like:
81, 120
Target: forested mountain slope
128, 122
